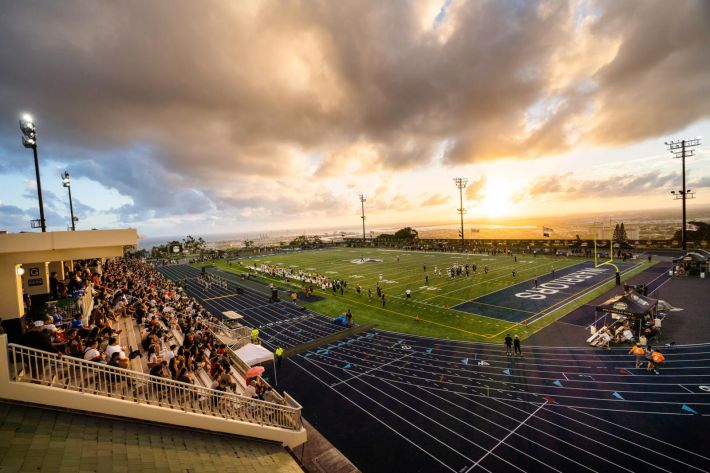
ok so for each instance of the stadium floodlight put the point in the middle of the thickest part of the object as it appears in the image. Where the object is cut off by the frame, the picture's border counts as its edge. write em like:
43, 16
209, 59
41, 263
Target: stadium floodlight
461, 184
683, 149
66, 182
29, 140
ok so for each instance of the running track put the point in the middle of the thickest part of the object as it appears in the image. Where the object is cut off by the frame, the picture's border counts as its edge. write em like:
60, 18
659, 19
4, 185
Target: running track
280, 324
393, 402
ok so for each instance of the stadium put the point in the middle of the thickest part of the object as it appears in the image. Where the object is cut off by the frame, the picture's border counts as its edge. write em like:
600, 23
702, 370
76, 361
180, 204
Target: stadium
437, 236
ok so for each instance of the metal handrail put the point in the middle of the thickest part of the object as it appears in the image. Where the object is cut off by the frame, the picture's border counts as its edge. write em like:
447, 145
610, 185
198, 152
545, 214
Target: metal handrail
235, 333
41, 367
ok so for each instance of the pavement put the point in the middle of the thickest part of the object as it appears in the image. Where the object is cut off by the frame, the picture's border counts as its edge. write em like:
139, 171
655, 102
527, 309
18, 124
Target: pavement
40, 439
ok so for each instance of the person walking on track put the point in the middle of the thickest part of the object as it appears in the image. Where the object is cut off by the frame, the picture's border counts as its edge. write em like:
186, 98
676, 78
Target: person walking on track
655, 358
508, 345
516, 346
638, 351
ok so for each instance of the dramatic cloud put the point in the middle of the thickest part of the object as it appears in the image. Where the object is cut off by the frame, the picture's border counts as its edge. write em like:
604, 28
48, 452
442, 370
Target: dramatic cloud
572, 187
475, 189
171, 103
435, 199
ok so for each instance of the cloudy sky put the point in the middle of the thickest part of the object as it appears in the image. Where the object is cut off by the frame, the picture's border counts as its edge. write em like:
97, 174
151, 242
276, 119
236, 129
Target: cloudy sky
214, 116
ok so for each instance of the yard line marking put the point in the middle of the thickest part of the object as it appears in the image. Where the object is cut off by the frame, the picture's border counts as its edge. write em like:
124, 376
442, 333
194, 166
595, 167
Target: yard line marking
371, 370
506, 437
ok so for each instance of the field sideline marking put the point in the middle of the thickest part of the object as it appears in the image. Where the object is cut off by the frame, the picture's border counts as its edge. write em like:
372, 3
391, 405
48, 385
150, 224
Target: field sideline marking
411, 317
498, 307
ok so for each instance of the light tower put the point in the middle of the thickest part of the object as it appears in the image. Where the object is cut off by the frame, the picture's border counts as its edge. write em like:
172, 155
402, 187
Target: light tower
681, 149
29, 140
66, 182
461, 185
362, 203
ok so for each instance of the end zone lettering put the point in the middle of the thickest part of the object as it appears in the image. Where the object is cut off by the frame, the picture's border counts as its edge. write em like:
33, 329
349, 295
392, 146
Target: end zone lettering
558, 284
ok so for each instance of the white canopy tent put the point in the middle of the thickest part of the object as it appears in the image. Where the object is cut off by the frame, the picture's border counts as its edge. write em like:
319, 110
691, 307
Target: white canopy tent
254, 354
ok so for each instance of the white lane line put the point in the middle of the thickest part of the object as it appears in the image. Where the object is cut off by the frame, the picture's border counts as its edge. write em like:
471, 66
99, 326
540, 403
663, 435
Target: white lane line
506, 437
528, 385
589, 438
484, 345
639, 432
509, 417
371, 370
382, 422
686, 389
454, 432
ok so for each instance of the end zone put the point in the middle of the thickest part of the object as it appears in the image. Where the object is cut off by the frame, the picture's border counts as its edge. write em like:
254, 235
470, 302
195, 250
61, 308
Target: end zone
524, 301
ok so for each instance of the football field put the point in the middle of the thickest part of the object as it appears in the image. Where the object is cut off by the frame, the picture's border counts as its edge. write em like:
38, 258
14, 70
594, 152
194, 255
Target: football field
499, 296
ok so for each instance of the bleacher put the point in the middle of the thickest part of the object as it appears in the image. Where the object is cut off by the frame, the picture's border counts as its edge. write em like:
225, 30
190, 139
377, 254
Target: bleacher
280, 323
35, 375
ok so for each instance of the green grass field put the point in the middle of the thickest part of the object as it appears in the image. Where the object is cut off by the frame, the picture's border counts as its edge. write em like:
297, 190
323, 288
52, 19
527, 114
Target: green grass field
431, 304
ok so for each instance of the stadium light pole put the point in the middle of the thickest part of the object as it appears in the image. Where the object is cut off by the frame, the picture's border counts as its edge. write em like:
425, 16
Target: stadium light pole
461, 184
66, 182
29, 140
682, 149
362, 203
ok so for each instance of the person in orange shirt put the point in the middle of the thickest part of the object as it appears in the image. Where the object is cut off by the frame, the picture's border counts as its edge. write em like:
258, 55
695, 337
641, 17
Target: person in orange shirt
638, 351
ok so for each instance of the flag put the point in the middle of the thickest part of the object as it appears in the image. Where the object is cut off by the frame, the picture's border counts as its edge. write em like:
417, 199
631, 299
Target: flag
691, 228
546, 231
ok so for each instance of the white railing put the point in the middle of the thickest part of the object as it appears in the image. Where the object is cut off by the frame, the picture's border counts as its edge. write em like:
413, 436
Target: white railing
40, 367
235, 333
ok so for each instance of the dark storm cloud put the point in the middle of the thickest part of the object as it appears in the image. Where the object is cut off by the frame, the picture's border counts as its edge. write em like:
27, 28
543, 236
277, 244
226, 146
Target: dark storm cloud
151, 98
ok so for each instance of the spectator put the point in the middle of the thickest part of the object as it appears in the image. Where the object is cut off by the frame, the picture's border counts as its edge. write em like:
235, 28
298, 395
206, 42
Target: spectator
38, 338
77, 323
54, 286
250, 390
114, 347
92, 353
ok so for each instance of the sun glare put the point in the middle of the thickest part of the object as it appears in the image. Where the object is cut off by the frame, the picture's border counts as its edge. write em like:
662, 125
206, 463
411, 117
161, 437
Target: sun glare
496, 202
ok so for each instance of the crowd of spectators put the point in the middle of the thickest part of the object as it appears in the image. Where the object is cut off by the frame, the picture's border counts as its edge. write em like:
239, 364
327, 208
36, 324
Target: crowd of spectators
175, 340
